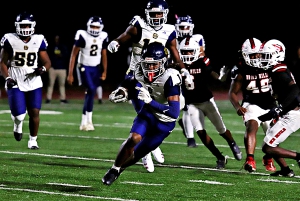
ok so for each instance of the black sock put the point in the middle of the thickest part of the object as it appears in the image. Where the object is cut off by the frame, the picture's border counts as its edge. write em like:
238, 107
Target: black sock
286, 169
298, 157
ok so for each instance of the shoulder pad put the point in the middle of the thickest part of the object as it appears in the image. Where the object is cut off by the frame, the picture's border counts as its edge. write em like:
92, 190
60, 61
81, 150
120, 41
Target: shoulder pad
169, 26
80, 32
138, 19
175, 76
279, 68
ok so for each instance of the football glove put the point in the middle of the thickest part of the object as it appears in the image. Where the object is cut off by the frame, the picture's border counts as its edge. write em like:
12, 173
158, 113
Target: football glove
144, 94
189, 84
10, 83
119, 95
223, 73
274, 113
37, 72
113, 46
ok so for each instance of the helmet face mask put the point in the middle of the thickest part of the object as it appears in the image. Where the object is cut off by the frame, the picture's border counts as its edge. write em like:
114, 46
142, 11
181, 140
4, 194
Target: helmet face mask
184, 26
189, 50
154, 60
25, 24
95, 26
156, 13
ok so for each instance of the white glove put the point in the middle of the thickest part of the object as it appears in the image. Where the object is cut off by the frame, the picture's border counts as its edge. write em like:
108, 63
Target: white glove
223, 73
189, 84
144, 94
119, 95
113, 46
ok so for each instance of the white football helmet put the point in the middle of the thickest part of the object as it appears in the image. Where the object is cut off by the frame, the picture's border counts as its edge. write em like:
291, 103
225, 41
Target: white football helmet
250, 48
153, 7
187, 45
273, 52
97, 22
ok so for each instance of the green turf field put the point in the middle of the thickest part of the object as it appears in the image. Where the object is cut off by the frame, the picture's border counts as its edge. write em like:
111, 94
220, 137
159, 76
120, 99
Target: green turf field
70, 163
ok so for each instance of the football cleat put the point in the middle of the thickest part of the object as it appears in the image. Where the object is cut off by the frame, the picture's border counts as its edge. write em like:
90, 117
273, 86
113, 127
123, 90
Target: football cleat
89, 127
32, 144
269, 164
250, 165
221, 163
281, 173
158, 155
191, 142
82, 127
236, 151
148, 163
18, 136
110, 176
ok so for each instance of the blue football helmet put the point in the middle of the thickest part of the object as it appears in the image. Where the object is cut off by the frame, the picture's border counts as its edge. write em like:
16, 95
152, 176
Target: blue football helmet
153, 8
97, 22
25, 24
154, 60
184, 25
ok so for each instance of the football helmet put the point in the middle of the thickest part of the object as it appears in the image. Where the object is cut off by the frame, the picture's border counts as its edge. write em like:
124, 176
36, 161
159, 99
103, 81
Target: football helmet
251, 52
189, 50
154, 60
272, 53
25, 24
97, 22
153, 8
184, 25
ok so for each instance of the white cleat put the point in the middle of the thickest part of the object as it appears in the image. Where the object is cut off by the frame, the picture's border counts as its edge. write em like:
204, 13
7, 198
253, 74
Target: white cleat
32, 144
90, 127
148, 163
82, 127
158, 155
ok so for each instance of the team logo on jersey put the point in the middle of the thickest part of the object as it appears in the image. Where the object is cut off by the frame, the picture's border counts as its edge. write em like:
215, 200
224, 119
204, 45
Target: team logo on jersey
94, 40
155, 35
25, 47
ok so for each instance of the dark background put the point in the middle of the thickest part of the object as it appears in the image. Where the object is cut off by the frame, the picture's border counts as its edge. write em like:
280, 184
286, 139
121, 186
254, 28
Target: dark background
225, 25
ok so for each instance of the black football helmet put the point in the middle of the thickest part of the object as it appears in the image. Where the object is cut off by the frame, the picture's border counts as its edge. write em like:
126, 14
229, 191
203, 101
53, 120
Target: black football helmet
153, 7
184, 25
154, 60
25, 24
97, 22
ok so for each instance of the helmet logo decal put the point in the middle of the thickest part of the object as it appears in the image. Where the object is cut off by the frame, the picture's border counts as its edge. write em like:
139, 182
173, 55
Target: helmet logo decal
155, 35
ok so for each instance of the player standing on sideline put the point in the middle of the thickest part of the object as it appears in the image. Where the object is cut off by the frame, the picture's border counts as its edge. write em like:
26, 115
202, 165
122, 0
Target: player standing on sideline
253, 81
91, 46
286, 115
139, 34
19, 65
158, 90
203, 104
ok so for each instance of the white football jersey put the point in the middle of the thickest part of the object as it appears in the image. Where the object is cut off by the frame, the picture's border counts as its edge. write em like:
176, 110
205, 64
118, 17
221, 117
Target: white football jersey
24, 59
151, 35
156, 89
90, 54
197, 37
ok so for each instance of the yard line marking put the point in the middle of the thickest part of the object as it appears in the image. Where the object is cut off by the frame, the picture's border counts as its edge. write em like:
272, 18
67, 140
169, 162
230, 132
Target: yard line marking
64, 194
71, 185
139, 183
279, 181
138, 163
210, 182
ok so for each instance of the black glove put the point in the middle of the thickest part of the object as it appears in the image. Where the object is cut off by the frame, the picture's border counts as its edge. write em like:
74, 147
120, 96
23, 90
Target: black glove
37, 72
10, 83
274, 113
40, 70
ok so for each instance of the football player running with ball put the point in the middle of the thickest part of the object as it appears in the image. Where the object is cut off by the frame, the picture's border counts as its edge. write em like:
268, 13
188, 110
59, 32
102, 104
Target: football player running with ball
156, 90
